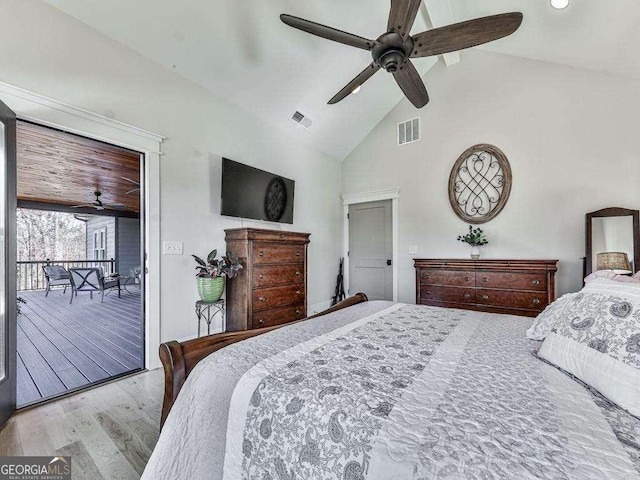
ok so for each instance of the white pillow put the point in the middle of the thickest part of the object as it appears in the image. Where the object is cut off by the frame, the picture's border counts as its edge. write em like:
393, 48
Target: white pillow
598, 341
547, 319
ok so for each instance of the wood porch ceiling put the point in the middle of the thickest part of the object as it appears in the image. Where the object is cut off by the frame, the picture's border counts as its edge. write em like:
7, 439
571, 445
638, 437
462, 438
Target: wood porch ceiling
60, 168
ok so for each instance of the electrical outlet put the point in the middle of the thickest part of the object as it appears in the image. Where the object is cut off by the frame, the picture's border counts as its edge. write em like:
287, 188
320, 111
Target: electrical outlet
413, 249
172, 248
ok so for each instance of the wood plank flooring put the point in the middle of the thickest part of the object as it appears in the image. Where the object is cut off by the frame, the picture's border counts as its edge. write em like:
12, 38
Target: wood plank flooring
109, 430
64, 346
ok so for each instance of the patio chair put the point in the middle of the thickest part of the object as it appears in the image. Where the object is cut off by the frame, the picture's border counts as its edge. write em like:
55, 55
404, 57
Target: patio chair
91, 280
56, 276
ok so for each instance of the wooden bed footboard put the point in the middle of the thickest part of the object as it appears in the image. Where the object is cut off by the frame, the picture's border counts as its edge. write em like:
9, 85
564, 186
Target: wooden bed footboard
179, 358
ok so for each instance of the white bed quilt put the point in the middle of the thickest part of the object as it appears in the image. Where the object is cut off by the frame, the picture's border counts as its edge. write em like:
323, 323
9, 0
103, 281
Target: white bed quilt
382, 391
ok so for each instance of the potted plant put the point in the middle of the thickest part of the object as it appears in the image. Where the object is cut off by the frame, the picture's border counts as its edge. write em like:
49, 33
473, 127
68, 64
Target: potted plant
212, 273
476, 239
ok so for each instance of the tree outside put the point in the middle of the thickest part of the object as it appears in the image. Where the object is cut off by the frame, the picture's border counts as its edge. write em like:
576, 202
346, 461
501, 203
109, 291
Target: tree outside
50, 235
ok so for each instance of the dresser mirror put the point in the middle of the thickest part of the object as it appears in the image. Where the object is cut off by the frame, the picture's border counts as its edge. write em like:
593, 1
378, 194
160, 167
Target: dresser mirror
613, 241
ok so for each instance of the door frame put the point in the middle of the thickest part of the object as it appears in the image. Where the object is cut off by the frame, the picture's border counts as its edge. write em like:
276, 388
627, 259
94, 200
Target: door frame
46, 111
392, 194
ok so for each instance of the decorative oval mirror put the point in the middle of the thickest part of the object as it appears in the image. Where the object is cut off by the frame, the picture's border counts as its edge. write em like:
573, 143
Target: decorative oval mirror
480, 184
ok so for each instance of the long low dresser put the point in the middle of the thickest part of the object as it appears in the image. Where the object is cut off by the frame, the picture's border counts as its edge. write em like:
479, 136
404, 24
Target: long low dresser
516, 287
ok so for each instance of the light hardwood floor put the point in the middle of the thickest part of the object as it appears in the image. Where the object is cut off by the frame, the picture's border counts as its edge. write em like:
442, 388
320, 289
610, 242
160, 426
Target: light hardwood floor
109, 431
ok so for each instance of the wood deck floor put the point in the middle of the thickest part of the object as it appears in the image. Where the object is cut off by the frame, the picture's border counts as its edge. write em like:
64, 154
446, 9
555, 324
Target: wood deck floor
64, 347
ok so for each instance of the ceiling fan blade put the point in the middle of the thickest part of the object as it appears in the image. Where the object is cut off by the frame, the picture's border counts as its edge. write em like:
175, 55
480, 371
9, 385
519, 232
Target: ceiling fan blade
132, 191
129, 180
411, 84
84, 206
365, 75
328, 32
465, 34
402, 15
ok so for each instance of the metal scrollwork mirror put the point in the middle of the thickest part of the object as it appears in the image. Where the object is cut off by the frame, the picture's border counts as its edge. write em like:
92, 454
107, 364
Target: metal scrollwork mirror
480, 184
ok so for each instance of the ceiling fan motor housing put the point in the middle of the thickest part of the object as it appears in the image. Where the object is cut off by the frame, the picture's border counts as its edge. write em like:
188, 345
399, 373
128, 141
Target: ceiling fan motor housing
391, 51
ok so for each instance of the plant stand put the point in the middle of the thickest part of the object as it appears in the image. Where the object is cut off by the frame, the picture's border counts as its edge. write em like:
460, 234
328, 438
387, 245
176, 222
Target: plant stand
208, 310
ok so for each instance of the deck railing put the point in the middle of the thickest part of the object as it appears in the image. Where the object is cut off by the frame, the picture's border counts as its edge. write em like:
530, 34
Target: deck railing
30, 275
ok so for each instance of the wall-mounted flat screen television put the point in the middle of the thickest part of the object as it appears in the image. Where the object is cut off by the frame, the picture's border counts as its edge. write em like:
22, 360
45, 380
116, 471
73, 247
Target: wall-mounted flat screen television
248, 192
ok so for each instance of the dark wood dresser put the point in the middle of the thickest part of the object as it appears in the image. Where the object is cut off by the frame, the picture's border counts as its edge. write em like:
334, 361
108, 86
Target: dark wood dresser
516, 287
272, 287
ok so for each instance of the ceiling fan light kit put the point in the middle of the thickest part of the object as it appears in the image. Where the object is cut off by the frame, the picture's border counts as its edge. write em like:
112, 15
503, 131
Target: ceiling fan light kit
393, 50
559, 4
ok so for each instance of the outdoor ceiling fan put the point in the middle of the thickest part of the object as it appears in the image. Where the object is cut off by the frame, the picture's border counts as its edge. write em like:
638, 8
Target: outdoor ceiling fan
133, 182
394, 49
98, 205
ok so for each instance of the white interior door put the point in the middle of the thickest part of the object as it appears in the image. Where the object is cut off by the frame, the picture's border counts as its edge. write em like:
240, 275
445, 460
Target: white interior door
371, 250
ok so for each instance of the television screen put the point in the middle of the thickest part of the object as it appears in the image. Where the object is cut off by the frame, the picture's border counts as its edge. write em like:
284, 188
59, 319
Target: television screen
248, 192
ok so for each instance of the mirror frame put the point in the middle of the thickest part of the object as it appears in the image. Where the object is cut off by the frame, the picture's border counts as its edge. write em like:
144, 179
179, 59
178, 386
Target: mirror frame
613, 212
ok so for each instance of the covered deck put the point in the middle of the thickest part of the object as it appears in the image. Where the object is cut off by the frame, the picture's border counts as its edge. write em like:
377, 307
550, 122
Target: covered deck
63, 347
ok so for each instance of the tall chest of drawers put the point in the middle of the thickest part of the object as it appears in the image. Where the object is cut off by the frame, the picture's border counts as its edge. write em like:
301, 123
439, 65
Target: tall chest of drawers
516, 287
272, 286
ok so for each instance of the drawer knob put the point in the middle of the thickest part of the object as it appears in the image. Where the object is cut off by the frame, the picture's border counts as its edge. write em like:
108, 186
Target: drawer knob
298, 311
261, 276
536, 282
261, 321
297, 254
298, 292
536, 301
466, 279
262, 299
467, 295
485, 297
261, 254
298, 273
485, 280
282, 235
428, 292
426, 277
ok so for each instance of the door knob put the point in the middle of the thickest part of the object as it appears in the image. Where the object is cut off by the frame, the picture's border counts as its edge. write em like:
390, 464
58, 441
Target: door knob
388, 262
261, 321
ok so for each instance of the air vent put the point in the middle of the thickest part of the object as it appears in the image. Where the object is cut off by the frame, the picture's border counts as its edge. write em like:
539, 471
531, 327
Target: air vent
409, 131
300, 119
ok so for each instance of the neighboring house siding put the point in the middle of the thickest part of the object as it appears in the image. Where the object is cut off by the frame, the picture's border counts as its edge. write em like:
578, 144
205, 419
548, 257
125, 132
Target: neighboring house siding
128, 245
95, 224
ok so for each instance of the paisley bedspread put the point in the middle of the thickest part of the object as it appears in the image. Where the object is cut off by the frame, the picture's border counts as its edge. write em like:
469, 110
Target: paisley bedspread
383, 391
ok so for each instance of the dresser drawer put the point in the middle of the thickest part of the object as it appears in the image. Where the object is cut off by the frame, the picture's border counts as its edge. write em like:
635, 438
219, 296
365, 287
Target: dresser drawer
512, 280
278, 316
459, 278
511, 299
431, 293
264, 298
265, 253
270, 276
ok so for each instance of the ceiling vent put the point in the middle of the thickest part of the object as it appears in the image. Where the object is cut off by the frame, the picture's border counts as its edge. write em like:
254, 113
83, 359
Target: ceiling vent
409, 131
300, 119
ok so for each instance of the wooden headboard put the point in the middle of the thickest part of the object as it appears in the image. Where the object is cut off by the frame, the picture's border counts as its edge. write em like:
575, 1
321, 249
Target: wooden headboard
179, 358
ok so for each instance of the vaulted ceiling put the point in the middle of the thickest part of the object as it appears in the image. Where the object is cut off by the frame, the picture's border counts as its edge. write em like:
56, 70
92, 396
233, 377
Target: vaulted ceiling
240, 50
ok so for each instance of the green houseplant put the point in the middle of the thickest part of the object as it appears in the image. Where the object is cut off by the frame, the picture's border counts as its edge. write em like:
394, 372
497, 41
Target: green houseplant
476, 239
212, 273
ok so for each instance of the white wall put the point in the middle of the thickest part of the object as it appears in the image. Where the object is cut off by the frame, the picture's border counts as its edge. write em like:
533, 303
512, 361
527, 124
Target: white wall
49, 53
570, 136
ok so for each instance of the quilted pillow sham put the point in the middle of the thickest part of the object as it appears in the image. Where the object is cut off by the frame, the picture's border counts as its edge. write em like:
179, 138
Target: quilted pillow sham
544, 322
598, 341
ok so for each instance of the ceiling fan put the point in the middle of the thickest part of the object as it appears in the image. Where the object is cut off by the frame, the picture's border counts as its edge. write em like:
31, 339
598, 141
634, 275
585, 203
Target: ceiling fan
98, 205
133, 182
394, 49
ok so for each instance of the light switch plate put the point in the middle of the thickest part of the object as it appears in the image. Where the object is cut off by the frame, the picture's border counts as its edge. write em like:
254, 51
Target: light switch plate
172, 248
413, 249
